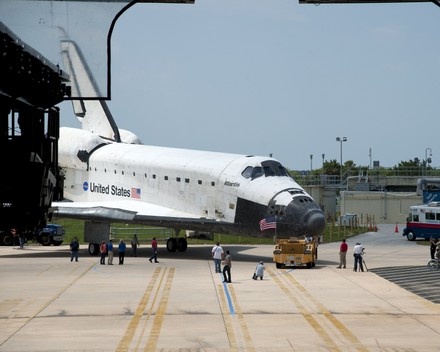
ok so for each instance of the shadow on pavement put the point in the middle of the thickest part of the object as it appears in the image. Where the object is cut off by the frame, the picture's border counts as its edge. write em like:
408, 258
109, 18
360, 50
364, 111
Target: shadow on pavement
192, 253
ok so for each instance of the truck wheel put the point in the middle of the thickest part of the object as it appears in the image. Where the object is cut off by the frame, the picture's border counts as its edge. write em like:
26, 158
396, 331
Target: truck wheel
7, 240
45, 239
279, 265
410, 236
309, 265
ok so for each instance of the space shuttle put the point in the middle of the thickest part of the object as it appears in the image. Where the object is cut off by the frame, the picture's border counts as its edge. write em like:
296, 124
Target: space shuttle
110, 176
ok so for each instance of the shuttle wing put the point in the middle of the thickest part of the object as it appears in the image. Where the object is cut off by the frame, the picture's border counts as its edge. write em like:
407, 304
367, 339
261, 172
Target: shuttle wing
134, 212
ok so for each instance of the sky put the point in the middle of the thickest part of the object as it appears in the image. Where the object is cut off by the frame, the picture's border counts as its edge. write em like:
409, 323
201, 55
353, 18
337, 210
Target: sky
261, 77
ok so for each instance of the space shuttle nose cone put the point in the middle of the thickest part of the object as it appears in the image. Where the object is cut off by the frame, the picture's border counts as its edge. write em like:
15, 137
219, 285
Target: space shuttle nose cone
316, 223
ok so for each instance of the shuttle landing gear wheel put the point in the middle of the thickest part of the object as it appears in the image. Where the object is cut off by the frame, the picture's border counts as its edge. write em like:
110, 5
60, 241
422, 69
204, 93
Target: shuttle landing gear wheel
182, 244
93, 249
171, 245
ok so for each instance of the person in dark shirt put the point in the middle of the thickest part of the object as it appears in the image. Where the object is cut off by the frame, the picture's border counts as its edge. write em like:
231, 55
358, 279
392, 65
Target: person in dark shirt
121, 248
227, 264
74, 249
343, 255
110, 252
154, 248
103, 251
432, 248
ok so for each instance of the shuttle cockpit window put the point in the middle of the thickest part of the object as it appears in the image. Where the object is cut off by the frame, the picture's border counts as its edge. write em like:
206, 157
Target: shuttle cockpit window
269, 168
252, 172
247, 172
274, 168
258, 171
268, 171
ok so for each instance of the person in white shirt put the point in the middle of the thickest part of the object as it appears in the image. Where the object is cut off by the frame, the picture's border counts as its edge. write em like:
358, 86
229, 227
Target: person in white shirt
217, 255
357, 253
259, 271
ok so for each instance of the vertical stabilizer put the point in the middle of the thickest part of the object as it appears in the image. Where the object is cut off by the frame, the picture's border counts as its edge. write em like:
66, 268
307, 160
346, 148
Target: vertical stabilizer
94, 115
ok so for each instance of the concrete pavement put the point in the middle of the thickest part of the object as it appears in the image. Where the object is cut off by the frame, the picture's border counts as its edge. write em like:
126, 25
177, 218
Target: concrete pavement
48, 303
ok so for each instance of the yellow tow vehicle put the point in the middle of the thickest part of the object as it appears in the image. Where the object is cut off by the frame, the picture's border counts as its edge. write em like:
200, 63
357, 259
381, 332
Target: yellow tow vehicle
295, 252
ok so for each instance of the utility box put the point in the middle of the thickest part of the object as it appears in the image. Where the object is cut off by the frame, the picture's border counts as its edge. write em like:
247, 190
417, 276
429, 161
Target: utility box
348, 219
95, 233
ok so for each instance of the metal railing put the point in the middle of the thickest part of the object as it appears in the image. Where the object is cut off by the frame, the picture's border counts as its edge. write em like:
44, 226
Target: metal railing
144, 234
308, 178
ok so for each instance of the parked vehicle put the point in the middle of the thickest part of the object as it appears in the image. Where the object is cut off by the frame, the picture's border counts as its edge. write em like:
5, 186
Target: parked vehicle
293, 252
51, 234
423, 222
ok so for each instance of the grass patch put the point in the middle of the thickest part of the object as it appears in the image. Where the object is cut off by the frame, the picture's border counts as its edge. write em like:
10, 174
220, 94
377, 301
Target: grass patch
75, 228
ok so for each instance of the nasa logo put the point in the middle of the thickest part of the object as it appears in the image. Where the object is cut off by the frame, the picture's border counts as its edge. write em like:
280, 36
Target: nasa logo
85, 186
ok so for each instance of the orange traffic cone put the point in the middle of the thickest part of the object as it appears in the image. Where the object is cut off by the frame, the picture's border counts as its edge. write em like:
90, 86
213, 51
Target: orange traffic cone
396, 230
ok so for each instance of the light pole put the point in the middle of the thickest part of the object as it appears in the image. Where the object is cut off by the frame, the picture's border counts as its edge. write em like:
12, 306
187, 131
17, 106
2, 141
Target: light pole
371, 158
311, 162
427, 160
340, 140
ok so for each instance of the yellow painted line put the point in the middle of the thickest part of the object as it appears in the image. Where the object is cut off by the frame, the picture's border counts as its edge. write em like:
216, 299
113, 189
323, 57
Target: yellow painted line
331, 345
44, 271
336, 323
48, 303
227, 319
64, 290
160, 314
73, 270
9, 304
150, 310
125, 342
247, 336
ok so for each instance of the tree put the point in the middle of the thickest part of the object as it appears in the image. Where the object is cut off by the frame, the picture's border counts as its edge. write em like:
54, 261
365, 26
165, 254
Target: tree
349, 164
408, 164
331, 167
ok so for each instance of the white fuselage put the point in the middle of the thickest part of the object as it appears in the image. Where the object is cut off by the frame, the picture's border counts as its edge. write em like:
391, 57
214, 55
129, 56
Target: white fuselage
204, 184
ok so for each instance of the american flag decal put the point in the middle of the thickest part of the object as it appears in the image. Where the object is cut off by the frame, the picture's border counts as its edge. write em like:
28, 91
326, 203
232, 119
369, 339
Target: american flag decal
135, 193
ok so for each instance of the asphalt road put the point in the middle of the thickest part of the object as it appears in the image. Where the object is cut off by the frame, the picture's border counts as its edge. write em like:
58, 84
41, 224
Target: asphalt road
48, 303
